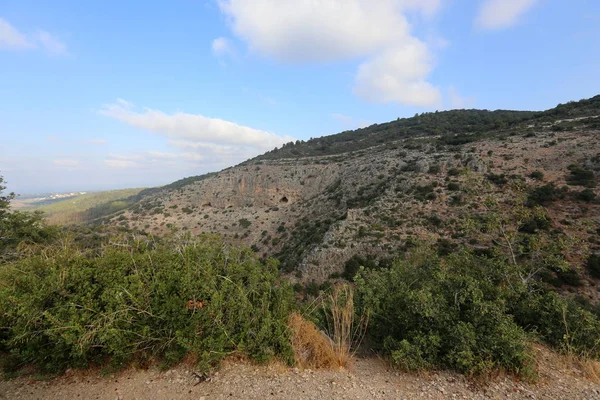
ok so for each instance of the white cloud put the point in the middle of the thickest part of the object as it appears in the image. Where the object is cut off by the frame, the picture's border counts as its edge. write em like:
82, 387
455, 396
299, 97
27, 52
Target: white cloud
500, 14
300, 31
223, 47
10, 38
198, 141
66, 163
399, 75
193, 127
51, 44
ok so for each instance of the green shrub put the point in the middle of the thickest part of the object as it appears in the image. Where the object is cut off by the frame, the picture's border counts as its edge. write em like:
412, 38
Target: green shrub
581, 177
453, 186
453, 172
536, 224
560, 322
428, 314
65, 309
497, 179
593, 265
244, 223
470, 313
586, 195
537, 175
544, 195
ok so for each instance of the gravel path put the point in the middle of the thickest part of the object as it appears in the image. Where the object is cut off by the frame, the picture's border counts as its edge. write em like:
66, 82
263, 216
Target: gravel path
368, 379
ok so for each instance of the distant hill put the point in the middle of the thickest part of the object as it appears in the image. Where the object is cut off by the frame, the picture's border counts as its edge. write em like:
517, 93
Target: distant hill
88, 206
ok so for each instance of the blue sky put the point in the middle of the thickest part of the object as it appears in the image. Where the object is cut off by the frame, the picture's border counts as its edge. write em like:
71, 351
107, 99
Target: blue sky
111, 94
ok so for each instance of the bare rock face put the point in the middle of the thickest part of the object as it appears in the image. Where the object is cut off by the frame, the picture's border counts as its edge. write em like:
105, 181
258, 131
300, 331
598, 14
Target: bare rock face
262, 186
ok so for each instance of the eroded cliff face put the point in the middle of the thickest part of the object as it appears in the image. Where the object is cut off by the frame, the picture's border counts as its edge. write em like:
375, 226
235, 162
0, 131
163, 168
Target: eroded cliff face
262, 185
315, 213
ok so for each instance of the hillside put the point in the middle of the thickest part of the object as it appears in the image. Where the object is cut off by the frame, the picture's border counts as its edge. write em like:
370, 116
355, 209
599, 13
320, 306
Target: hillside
87, 206
420, 178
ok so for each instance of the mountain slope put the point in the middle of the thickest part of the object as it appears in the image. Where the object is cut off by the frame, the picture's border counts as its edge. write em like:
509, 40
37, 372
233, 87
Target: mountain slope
324, 206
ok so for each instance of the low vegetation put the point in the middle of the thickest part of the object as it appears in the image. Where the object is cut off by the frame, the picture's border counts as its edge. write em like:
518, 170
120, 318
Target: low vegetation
139, 301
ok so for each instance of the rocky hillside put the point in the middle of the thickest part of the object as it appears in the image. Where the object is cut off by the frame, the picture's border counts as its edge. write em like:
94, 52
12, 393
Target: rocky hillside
325, 206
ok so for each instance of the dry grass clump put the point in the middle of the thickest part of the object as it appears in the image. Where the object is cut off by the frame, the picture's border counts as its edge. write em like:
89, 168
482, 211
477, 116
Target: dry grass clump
312, 348
345, 330
550, 364
334, 348
590, 369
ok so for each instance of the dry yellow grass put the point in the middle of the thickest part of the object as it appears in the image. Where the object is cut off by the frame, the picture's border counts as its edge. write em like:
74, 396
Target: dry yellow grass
311, 347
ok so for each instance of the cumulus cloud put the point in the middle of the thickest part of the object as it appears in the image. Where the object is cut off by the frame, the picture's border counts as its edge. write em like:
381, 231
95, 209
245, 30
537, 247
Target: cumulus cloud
66, 163
399, 75
193, 127
301, 31
500, 14
12, 39
197, 140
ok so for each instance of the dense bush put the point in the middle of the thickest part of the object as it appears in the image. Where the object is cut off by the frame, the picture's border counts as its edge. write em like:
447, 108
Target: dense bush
593, 265
537, 175
470, 313
497, 179
586, 195
581, 177
560, 322
136, 302
425, 313
544, 195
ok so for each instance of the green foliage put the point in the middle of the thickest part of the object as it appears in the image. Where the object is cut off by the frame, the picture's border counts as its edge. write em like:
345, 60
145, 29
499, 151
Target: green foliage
18, 227
425, 192
498, 180
244, 223
560, 322
535, 224
544, 195
425, 313
453, 186
586, 195
581, 177
353, 265
471, 313
140, 301
456, 127
537, 175
593, 265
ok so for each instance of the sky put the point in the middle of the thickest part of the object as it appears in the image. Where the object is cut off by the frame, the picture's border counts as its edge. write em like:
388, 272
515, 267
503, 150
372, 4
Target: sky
108, 94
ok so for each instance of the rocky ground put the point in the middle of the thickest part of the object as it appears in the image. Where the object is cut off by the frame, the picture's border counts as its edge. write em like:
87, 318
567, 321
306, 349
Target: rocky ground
368, 378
